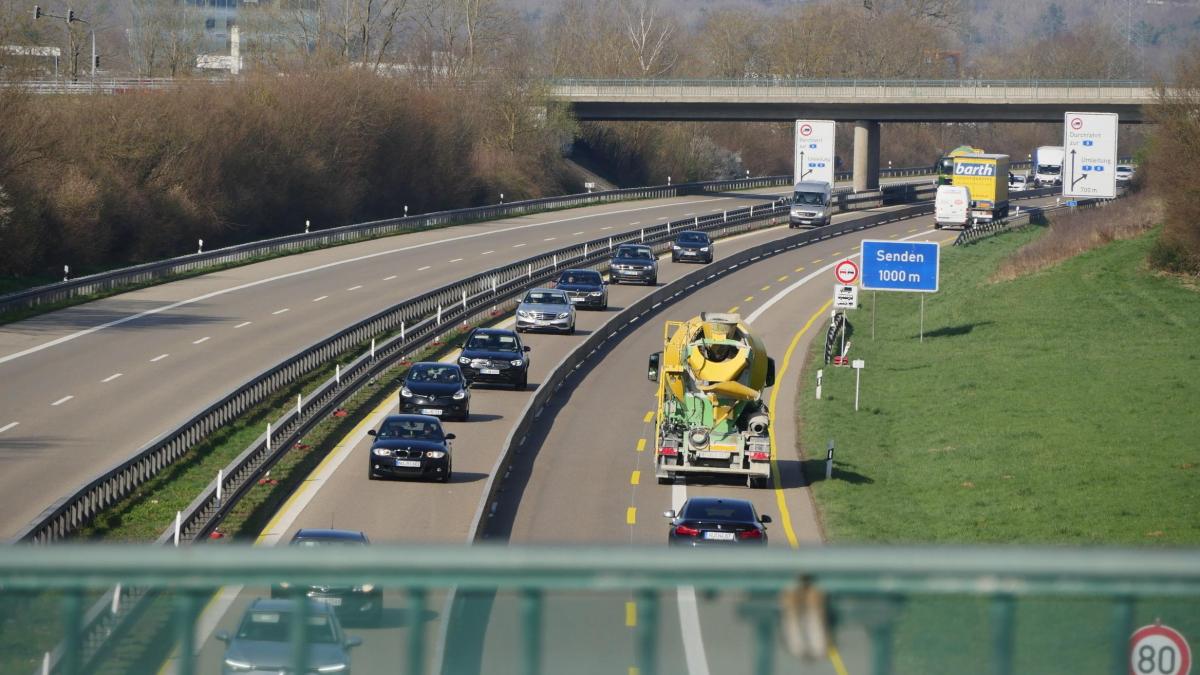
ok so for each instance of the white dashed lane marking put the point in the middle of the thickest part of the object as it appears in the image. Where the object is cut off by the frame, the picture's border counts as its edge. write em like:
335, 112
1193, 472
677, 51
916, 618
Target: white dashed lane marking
62, 400
202, 340
8, 426
320, 298
158, 358
456, 260
244, 323
389, 278
354, 288
281, 311
112, 377
422, 269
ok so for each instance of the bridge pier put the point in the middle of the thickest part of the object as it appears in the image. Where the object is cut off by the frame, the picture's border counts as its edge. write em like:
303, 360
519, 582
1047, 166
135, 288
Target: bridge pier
866, 155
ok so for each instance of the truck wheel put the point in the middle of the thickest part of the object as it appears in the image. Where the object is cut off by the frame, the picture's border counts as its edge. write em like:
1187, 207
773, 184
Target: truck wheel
756, 482
937, 226
665, 481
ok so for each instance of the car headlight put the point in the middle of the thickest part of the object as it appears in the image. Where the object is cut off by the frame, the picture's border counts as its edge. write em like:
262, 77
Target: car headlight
463, 360
365, 588
382, 452
675, 246
596, 294
523, 314
284, 584
517, 362
563, 315
405, 392
704, 249
239, 665
435, 454
460, 395
334, 668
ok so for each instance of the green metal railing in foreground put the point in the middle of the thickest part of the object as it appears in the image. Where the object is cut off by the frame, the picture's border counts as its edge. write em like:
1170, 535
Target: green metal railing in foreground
789, 602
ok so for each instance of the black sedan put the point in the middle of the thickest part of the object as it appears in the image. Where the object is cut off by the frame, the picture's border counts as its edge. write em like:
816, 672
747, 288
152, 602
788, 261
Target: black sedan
438, 389
696, 246
410, 446
495, 355
351, 602
705, 521
586, 288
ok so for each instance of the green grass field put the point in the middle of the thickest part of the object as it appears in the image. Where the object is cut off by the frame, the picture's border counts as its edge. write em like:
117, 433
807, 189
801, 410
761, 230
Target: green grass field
1058, 408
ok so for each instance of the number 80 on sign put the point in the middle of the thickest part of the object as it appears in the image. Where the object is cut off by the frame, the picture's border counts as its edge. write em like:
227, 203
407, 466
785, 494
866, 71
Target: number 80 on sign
1159, 650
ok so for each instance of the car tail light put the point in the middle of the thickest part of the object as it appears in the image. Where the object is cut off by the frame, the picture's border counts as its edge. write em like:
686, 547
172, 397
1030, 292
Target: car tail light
752, 533
668, 451
760, 456
685, 531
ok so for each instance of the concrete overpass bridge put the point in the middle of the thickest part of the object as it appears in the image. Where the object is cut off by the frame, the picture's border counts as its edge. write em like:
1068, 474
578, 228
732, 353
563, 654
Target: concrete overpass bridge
866, 103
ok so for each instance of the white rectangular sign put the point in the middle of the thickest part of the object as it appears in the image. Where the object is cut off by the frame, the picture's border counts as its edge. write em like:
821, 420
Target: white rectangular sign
845, 296
814, 156
1089, 155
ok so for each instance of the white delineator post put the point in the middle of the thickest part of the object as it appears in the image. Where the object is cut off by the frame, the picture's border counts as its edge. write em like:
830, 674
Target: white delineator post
220, 486
178, 525
268, 436
829, 461
337, 367
858, 365
820, 374
299, 405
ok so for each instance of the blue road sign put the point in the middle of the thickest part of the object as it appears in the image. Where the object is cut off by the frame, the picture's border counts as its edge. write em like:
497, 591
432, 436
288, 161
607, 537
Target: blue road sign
900, 265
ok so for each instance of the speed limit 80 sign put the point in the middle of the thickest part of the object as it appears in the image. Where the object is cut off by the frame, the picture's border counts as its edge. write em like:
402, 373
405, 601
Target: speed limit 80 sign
1159, 650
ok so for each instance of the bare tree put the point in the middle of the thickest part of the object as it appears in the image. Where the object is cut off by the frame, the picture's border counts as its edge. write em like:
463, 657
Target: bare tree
650, 34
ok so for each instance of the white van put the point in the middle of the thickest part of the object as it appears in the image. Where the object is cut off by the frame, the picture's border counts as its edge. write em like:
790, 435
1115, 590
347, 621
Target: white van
952, 207
811, 203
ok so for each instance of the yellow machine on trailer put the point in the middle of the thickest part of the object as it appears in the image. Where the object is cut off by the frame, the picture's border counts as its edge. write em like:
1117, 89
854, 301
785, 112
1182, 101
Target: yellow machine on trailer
711, 415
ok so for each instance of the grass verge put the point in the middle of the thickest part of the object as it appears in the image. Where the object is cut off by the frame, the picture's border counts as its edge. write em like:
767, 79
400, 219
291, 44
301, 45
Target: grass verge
1057, 407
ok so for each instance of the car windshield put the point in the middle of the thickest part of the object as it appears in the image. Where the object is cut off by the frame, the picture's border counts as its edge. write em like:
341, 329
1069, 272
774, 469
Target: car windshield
441, 374
415, 429
580, 277
493, 342
313, 542
276, 627
635, 253
693, 238
1125, 168
1049, 169
545, 298
809, 198
719, 511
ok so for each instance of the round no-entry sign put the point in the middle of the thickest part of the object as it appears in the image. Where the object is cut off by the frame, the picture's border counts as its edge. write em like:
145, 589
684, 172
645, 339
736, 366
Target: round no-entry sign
1159, 650
1077, 123
846, 272
806, 130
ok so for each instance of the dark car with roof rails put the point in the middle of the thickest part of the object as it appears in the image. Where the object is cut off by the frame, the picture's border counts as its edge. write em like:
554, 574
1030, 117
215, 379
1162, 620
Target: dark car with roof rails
494, 355
363, 601
690, 245
438, 389
585, 288
634, 262
711, 521
411, 446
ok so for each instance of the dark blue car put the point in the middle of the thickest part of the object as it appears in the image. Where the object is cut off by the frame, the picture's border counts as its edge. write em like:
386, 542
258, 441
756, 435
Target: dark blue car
586, 288
437, 389
411, 446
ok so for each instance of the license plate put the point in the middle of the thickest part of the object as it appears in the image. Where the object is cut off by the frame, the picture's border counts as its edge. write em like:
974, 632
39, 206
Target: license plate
408, 463
708, 454
489, 371
332, 602
719, 536
431, 411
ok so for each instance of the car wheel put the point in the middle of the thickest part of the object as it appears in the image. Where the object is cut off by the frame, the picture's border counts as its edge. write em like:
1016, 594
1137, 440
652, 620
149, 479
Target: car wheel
604, 307
523, 383
572, 331
449, 473
654, 280
371, 473
674, 259
466, 415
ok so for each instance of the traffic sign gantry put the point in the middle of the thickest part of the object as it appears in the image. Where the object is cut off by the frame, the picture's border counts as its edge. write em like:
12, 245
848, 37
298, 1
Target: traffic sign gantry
1159, 650
846, 271
1090, 155
900, 265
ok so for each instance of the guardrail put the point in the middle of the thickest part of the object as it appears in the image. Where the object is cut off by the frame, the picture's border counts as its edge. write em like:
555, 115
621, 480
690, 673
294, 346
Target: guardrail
1025, 217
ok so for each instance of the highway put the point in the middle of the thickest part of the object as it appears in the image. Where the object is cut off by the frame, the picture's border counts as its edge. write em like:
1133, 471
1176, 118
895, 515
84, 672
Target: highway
338, 493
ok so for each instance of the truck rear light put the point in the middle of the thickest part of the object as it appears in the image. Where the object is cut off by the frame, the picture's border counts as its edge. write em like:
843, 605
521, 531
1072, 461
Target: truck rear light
760, 456
750, 534
685, 531
668, 451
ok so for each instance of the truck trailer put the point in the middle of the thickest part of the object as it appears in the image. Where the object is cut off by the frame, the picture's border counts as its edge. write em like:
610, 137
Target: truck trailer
711, 417
986, 179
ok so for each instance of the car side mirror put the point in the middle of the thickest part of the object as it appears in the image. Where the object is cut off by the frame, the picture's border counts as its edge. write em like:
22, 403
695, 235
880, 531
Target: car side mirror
670, 513
526, 349
463, 345
450, 437
765, 519
653, 366
352, 642
371, 432
770, 372
222, 635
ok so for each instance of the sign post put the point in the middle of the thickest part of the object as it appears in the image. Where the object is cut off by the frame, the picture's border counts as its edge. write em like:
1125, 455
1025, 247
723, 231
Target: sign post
1090, 155
858, 365
912, 266
1159, 650
814, 151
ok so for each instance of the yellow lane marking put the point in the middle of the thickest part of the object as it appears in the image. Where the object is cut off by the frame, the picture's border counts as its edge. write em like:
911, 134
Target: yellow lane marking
855, 248
635, 478
733, 309
649, 417
893, 236
915, 229
630, 614
631, 512
836, 253
818, 260
835, 657
784, 515
799, 269
782, 278
641, 445
765, 288
633, 670
748, 298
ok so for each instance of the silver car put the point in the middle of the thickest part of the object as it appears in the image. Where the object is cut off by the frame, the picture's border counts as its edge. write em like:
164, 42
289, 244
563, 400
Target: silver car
547, 309
262, 643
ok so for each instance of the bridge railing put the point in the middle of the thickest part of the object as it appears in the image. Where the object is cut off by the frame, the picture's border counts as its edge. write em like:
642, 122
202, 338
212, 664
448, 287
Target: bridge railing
873, 609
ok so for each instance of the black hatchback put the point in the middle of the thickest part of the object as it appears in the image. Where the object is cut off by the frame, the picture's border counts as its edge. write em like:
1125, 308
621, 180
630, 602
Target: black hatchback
690, 245
438, 389
705, 521
411, 446
495, 355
